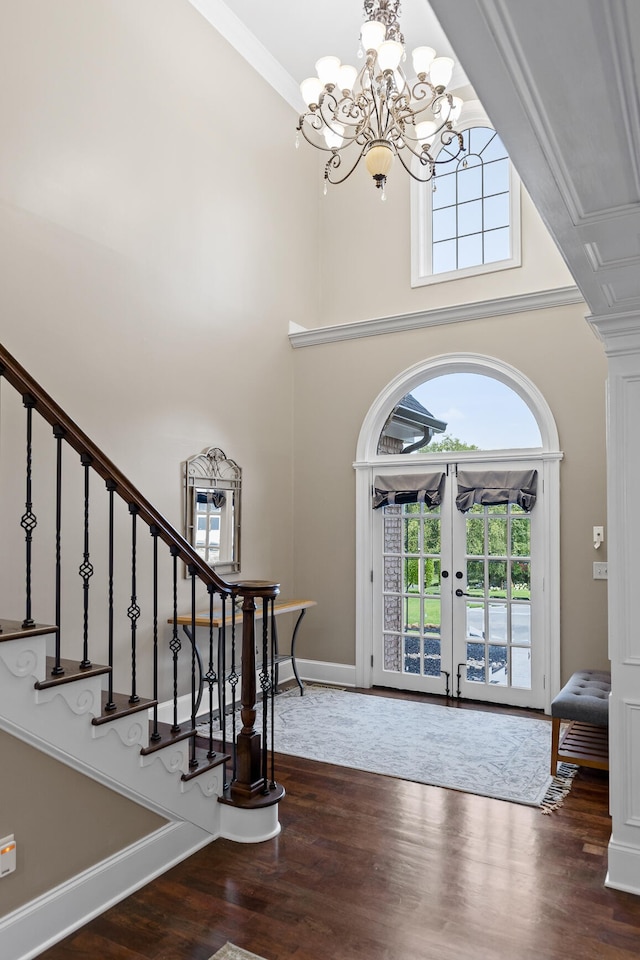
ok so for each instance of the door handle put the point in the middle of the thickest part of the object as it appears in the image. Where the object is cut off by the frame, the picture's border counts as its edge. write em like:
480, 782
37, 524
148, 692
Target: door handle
461, 593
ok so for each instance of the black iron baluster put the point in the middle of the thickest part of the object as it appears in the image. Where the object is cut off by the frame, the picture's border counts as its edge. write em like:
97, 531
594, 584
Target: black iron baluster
174, 645
155, 734
274, 674
133, 611
59, 433
111, 488
193, 762
264, 686
211, 676
28, 521
233, 681
86, 567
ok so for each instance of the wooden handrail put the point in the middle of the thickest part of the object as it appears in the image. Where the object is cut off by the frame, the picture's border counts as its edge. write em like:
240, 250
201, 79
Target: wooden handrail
18, 377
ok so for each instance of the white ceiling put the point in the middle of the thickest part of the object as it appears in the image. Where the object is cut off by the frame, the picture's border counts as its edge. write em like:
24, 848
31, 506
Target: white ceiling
290, 32
559, 78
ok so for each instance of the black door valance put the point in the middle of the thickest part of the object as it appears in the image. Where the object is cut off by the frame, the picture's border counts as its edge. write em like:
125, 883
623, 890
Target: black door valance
496, 486
408, 488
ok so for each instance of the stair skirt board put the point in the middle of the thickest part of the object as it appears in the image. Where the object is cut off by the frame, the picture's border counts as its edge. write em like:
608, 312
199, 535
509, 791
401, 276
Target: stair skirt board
29, 930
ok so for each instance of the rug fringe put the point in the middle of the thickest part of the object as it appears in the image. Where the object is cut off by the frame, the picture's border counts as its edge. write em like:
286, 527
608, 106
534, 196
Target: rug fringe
559, 787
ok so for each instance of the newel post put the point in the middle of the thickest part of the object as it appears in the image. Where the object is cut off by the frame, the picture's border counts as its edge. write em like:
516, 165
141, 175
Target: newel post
249, 782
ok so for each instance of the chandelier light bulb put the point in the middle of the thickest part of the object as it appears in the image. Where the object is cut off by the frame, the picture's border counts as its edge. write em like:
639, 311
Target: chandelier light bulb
390, 54
311, 88
333, 136
425, 131
372, 34
422, 58
456, 109
441, 71
347, 77
328, 69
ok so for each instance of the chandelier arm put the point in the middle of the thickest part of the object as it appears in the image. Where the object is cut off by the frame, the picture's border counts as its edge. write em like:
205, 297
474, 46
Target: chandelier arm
431, 169
330, 164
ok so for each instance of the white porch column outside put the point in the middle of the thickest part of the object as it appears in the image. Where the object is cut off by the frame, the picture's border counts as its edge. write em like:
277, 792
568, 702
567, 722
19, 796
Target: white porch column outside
621, 338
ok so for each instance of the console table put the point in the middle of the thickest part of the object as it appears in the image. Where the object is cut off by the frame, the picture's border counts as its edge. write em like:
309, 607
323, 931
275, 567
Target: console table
279, 607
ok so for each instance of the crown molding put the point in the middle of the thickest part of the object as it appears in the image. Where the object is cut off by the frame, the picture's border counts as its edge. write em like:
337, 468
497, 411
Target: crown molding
480, 310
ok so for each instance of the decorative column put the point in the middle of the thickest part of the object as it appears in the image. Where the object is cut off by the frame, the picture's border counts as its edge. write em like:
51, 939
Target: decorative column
621, 338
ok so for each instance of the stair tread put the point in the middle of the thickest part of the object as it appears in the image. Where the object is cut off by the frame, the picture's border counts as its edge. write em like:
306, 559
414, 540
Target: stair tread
71, 671
205, 763
167, 737
123, 707
13, 629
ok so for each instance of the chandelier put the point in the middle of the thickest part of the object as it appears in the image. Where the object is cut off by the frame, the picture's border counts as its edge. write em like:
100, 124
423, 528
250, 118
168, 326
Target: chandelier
376, 113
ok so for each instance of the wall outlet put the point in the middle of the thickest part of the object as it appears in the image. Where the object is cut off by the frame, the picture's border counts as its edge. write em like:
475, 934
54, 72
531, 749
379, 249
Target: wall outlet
600, 571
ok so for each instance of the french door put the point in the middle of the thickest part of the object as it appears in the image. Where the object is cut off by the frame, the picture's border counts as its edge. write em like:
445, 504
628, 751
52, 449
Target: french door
458, 598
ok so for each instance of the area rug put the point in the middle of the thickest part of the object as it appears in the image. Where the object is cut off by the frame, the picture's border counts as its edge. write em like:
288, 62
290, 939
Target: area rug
231, 952
490, 754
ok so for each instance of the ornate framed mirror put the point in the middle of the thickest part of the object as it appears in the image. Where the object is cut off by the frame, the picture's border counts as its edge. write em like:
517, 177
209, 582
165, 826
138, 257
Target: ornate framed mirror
212, 487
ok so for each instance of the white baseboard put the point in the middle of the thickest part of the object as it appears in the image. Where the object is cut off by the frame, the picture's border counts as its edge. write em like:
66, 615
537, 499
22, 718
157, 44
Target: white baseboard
26, 932
624, 868
323, 671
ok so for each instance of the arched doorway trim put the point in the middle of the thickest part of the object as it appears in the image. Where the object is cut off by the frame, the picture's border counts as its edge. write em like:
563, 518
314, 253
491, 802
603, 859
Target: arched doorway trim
407, 380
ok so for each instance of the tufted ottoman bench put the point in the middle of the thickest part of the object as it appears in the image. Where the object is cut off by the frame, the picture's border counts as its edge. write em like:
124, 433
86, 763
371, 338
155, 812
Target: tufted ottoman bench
584, 702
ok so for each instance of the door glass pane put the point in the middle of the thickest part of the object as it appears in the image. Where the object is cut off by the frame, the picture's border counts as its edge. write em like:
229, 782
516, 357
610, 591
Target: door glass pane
521, 537
431, 535
475, 662
475, 620
475, 577
498, 537
432, 660
411, 613
411, 574
521, 668
411, 535
475, 536
521, 623
432, 618
520, 580
431, 576
497, 578
411, 654
393, 573
392, 613
392, 652
498, 622
498, 665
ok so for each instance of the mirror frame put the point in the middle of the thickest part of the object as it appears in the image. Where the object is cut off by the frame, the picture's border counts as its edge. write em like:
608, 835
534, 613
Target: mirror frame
213, 472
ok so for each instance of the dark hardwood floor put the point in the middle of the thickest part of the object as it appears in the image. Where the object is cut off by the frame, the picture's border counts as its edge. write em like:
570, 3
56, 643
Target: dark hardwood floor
372, 868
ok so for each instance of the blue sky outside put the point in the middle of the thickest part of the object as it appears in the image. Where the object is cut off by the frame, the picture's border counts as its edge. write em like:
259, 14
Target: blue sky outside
480, 410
